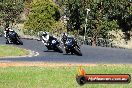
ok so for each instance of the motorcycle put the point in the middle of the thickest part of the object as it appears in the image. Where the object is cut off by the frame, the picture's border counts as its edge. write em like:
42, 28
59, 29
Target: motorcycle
13, 38
72, 47
52, 44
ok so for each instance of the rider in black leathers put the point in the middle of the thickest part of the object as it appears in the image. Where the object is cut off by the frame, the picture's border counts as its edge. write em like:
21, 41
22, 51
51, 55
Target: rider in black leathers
64, 38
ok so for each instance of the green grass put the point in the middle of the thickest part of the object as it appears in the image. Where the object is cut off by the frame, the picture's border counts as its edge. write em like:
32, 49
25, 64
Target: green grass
57, 77
12, 51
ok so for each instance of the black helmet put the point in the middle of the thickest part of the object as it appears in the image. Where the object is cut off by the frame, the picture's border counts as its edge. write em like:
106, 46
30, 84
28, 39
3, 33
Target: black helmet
64, 34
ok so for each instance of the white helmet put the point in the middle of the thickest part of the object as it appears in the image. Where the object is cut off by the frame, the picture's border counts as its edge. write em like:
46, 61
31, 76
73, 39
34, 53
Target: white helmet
10, 29
45, 34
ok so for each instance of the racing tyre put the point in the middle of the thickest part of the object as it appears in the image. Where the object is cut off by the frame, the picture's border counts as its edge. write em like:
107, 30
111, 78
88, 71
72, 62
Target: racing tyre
77, 51
19, 41
7, 42
58, 49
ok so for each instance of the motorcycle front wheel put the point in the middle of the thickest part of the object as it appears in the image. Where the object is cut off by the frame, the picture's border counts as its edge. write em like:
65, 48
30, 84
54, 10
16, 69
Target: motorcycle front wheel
58, 49
77, 51
19, 41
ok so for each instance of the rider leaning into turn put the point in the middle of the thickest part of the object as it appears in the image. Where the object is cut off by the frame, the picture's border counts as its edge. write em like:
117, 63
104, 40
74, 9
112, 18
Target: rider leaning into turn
47, 38
6, 33
64, 38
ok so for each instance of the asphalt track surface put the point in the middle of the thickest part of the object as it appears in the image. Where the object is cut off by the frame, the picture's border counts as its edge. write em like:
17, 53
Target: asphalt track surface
95, 55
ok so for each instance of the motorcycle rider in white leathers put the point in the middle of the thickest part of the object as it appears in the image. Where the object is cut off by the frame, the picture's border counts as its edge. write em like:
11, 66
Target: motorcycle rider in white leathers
45, 38
7, 30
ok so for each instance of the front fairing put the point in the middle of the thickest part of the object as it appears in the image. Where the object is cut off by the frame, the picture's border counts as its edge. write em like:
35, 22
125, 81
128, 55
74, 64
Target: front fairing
12, 36
69, 43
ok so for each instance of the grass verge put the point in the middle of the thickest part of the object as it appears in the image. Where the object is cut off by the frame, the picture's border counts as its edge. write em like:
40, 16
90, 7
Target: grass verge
57, 77
6, 51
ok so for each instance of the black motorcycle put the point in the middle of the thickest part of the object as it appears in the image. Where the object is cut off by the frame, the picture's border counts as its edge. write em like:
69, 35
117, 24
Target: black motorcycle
53, 44
13, 38
72, 47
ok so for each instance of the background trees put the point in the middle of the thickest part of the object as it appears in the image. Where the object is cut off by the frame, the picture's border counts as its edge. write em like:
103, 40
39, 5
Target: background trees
10, 11
43, 15
121, 11
104, 16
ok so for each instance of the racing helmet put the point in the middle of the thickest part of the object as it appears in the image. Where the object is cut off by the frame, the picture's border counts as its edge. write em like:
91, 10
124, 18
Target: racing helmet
65, 34
10, 29
6, 29
45, 34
